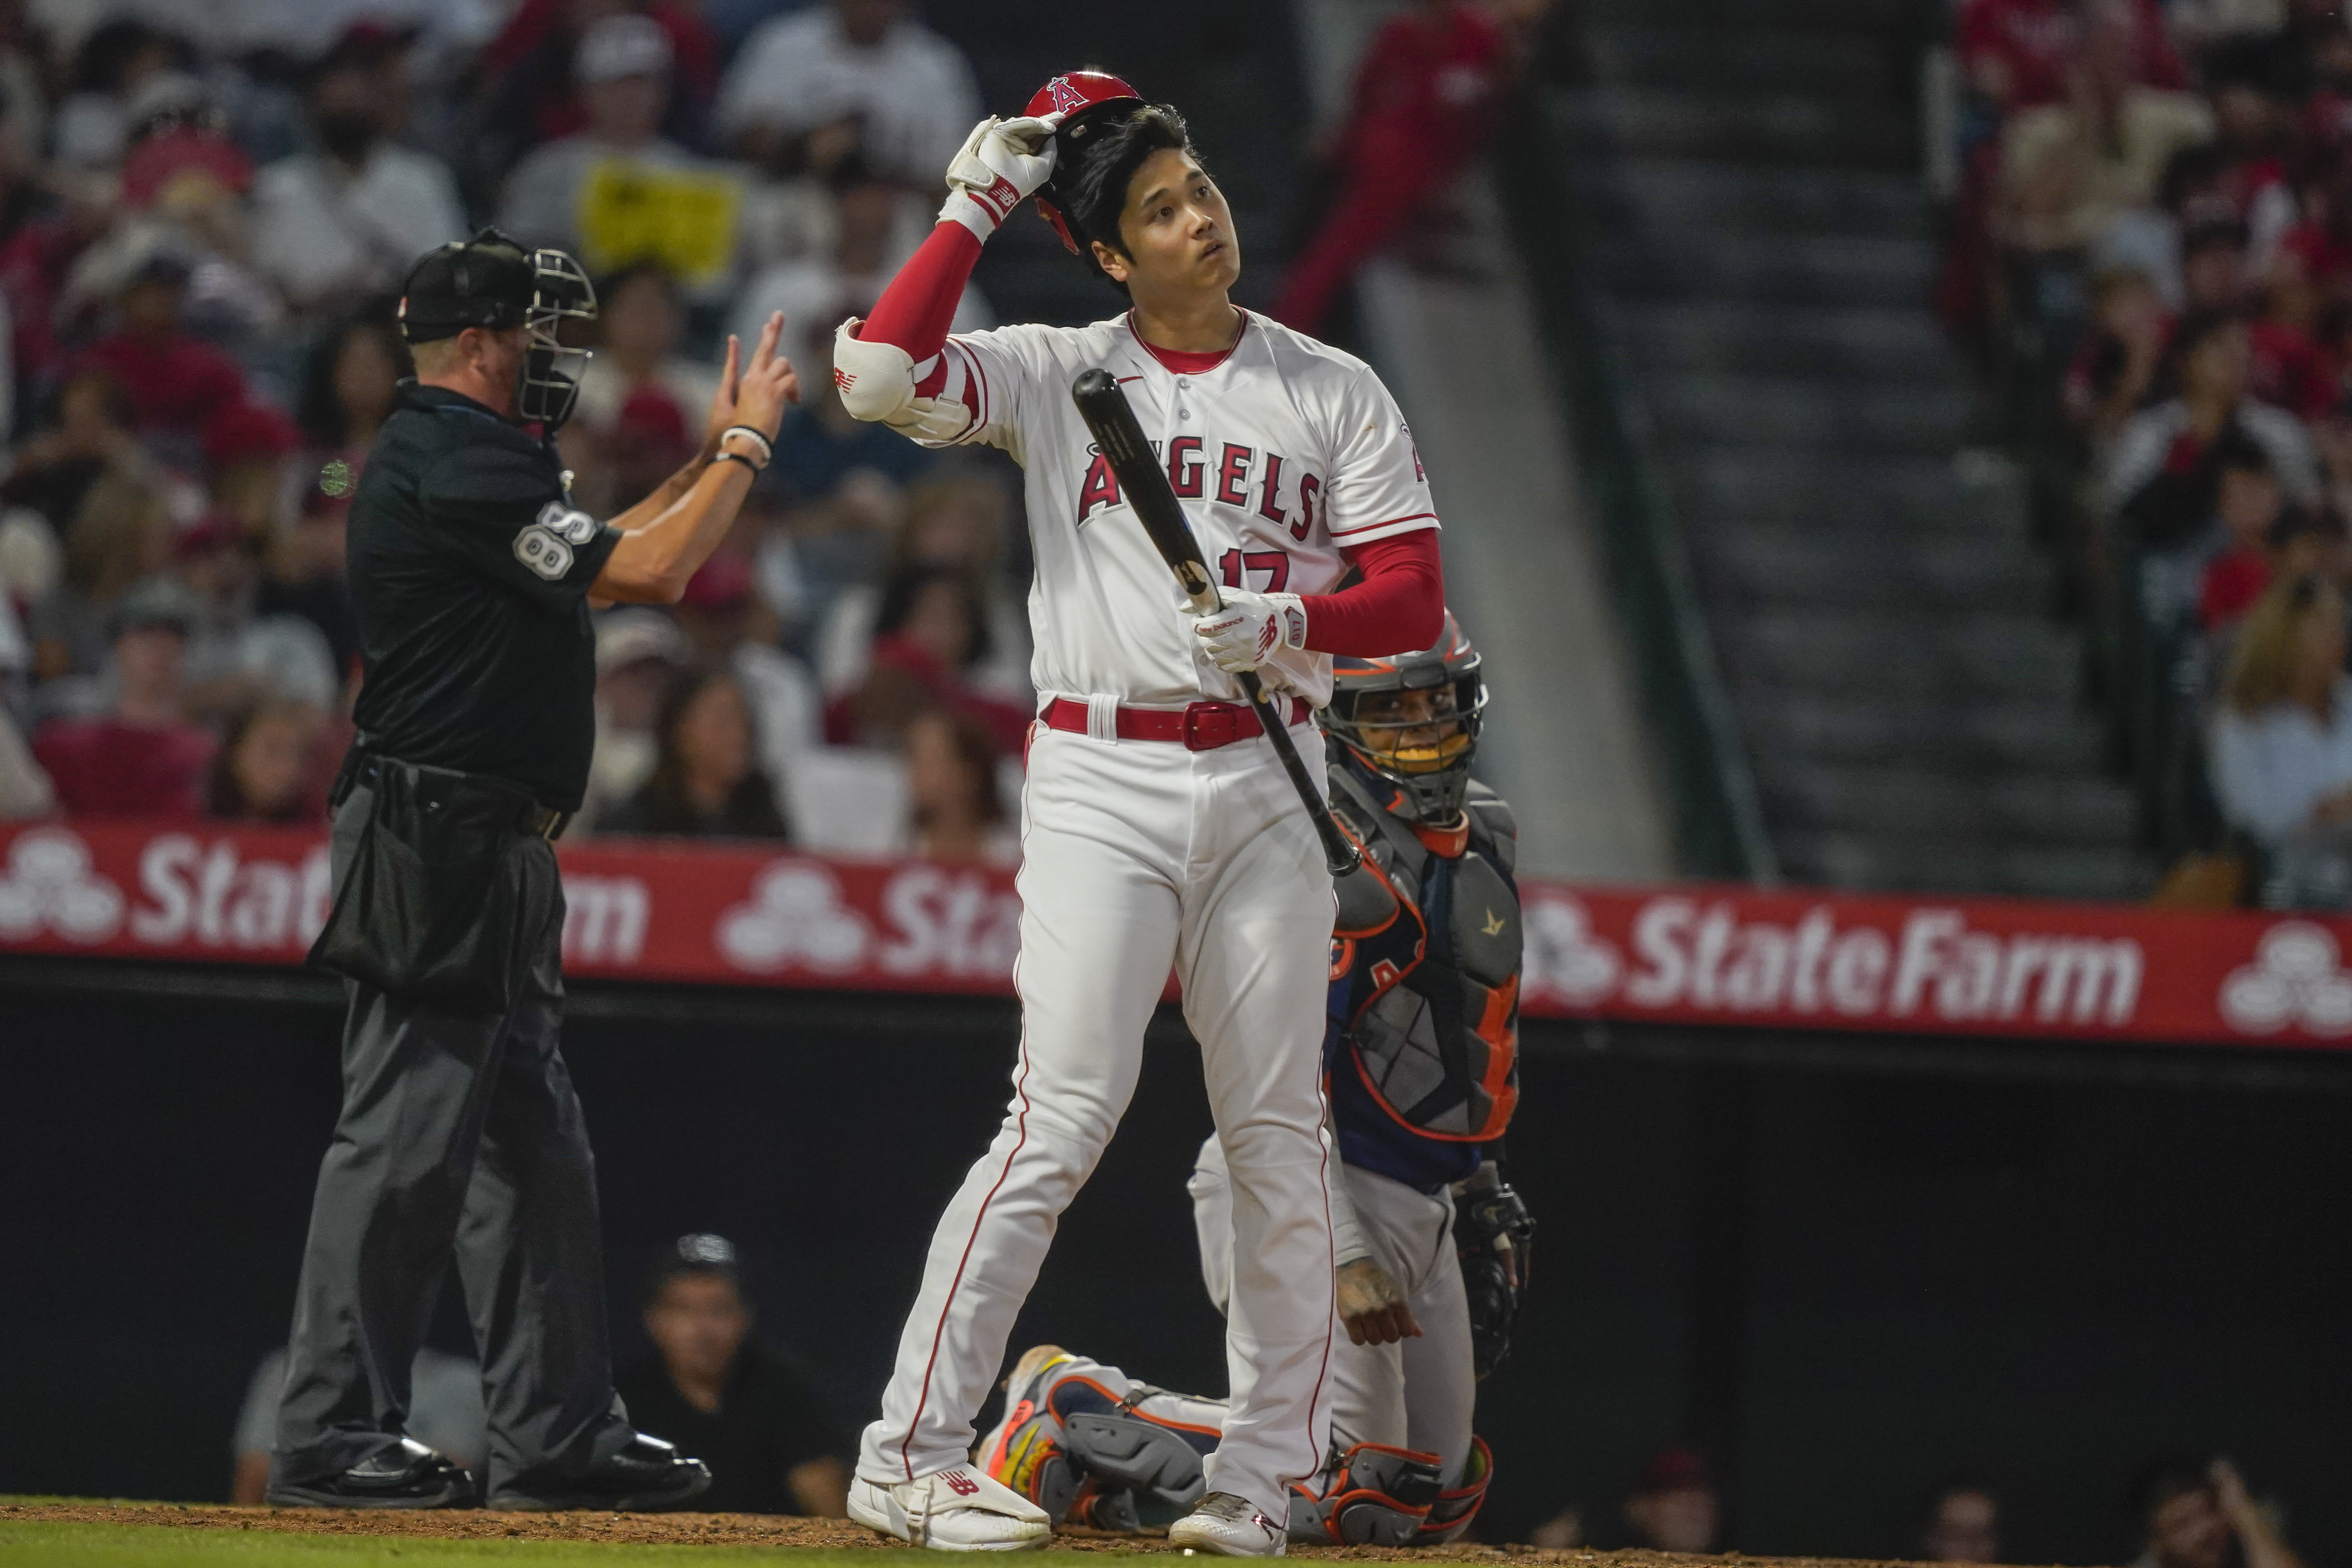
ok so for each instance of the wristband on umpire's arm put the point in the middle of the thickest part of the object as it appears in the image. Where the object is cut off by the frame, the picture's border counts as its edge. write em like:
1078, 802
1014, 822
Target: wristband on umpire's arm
767, 447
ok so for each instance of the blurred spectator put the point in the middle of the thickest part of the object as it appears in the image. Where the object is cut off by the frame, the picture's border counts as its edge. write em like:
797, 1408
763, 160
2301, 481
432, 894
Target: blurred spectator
955, 810
2247, 507
2282, 754
113, 62
52, 468
236, 656
1420, 108
24, 788
807, 86
2213, 266
705, 782
638, 653
190, 400
347, 391
444, 1412
2016, 52
930, 632
346, 219
716, 1393
120, 534
617, 191
953, 525
2069, 168
141, 758
534, 88
2117, 363
265, 770
640, 322
879, 224
1962, 1525
2193, 1513
2165, 471
1675, 1507
820, 445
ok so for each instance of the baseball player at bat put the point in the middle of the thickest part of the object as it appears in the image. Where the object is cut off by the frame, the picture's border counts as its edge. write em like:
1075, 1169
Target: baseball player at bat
1158, 828
1434, 1248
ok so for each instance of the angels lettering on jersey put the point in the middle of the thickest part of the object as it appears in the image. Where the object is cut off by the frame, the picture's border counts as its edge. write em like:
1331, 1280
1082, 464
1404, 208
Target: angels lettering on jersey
1284, 453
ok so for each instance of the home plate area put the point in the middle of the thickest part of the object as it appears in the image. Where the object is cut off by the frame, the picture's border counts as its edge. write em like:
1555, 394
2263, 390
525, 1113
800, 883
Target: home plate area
736, 1530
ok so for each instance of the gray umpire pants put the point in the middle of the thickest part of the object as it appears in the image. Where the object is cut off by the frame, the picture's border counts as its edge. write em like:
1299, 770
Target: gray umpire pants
460, 1137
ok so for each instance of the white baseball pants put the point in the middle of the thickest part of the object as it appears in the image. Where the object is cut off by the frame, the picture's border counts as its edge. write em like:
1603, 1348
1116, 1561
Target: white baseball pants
1137, 855
1421, 1394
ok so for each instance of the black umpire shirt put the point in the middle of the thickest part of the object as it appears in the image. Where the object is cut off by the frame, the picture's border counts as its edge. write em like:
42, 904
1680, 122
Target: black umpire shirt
470, 569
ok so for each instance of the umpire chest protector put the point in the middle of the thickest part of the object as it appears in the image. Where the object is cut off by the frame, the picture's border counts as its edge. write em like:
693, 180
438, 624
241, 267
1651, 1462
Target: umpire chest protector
1425, 970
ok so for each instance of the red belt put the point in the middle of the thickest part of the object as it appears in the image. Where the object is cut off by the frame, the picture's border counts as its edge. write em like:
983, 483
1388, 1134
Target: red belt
1202, 727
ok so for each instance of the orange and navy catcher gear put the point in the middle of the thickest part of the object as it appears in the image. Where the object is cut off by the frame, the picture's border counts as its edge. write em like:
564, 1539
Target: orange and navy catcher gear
1427, 778
1076, 96
1421, 1042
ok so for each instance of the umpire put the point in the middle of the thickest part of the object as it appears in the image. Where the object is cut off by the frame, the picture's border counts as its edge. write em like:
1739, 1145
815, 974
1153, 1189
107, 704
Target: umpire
460, 1135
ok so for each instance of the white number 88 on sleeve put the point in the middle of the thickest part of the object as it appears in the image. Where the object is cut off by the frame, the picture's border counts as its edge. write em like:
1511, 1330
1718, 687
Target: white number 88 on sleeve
538, 548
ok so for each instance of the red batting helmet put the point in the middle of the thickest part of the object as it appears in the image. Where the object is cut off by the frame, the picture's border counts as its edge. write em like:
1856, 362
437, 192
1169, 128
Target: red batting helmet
1075, 97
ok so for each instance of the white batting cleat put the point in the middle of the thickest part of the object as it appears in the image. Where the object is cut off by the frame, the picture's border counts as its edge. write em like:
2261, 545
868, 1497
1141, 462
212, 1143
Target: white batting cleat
955, 1510
1230, 1526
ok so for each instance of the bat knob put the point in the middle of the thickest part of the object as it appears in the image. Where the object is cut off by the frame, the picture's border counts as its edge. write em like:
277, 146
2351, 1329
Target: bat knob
1343, 860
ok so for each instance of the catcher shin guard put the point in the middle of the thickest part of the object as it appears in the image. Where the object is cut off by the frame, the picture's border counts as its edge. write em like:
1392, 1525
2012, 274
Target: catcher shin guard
1376, 1496
1451, 1515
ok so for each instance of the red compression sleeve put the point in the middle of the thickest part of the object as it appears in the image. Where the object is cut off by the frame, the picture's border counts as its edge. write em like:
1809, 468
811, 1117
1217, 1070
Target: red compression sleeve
915, 310
1399, 607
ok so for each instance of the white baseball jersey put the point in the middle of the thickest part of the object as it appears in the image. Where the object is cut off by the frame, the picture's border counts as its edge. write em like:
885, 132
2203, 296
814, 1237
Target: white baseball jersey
1284, 452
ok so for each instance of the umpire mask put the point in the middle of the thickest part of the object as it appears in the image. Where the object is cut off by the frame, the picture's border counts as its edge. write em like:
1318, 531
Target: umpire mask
493, 283
559, 293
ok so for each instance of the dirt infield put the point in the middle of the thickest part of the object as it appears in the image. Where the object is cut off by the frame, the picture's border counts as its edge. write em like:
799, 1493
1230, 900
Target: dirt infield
746, 1529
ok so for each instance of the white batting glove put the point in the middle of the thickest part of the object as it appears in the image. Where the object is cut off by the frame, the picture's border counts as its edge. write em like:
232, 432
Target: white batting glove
1245, 633
1003, 163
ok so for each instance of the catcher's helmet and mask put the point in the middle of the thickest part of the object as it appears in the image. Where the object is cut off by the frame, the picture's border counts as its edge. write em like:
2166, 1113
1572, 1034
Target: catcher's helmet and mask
490, 282
1430, 775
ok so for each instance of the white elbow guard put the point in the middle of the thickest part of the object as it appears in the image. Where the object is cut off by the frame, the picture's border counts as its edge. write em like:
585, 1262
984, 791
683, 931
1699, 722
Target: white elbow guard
876, 382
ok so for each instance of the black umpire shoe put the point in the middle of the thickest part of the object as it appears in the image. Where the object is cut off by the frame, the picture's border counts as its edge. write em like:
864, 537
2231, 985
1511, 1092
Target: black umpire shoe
649, 1476
411, 1476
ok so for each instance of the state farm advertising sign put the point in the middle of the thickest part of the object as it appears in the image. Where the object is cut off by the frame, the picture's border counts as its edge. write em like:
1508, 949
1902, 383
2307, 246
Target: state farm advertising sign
739, 915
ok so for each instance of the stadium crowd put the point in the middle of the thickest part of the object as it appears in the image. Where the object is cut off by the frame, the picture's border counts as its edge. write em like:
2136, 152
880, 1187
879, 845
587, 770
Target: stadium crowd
2152, 252
205, 212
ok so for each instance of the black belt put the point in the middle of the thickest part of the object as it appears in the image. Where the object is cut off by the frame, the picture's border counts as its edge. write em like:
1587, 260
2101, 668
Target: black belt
532, 819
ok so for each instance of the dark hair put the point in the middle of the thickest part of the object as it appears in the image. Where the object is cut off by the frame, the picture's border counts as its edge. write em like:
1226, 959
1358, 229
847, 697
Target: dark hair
975, 748
1090, 187
662, 807
2195, 329
320, 415
2235, 451
2188, 169
904, 590
225, 799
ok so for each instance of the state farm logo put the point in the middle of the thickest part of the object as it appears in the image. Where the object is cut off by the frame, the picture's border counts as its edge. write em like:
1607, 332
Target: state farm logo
929, 921
50, 886
2295, 978
795, 916
1688, 956
1563, 955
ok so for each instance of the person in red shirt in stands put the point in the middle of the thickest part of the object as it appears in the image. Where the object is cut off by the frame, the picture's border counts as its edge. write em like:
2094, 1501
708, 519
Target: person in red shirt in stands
1423, 103
2016, 52
143, 758
179, 386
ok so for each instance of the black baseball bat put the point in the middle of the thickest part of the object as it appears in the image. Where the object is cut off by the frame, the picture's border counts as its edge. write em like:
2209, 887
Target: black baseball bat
1105, 409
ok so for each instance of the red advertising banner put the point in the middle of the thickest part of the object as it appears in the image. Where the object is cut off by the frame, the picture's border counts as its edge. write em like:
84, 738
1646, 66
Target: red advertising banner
742, 916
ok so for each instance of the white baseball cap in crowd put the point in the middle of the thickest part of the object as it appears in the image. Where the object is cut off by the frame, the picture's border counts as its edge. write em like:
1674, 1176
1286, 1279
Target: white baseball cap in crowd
622, 46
